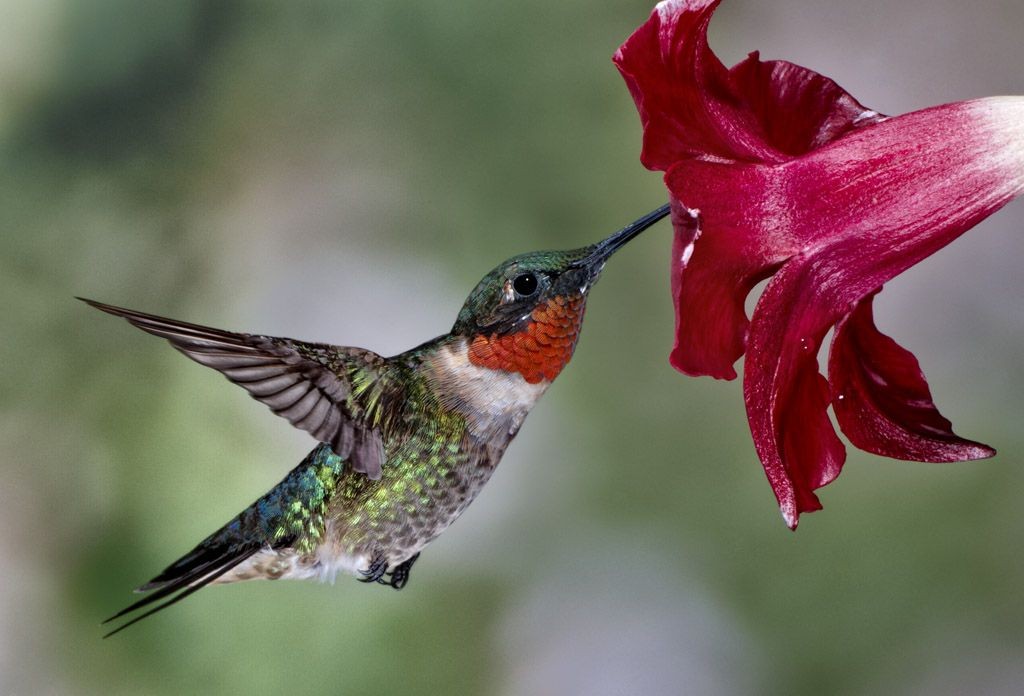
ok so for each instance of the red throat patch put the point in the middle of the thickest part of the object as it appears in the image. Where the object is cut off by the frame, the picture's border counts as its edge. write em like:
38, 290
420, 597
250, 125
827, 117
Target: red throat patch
542, 349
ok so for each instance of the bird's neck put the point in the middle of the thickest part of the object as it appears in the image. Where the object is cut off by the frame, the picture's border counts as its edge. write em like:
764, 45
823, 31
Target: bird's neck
494, 380
492, 401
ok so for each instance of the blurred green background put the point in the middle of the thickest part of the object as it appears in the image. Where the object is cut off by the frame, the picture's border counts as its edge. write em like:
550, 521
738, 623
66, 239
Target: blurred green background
346, 172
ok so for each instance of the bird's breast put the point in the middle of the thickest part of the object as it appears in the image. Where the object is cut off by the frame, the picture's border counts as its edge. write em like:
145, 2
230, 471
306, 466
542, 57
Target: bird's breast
493, 401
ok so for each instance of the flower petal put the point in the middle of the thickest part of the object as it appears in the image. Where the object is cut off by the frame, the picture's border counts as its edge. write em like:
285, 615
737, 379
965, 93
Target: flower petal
712, 278
691, 106
685, 96
787, 399
793, 177
797, 109
866, 207
902, 189
694, 109
881, 398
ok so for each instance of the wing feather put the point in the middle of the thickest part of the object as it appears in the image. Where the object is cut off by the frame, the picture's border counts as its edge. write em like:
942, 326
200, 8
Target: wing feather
304, 383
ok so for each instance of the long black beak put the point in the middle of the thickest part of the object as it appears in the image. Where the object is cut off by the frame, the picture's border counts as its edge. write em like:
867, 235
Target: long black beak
599, 253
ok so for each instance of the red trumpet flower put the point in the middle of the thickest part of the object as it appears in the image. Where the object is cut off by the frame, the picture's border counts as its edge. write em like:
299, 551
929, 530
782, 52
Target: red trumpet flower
795, 180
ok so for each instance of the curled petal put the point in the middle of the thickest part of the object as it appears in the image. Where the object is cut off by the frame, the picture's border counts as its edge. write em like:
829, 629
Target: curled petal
710, 317
712, 277
686, 98
798, 109
787, 399
688, 227
703, 295
691, 106
881, 398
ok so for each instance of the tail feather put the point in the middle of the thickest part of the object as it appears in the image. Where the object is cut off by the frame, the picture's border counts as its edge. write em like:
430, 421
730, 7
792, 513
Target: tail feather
212, 552
290, 515
188, 584
213, 557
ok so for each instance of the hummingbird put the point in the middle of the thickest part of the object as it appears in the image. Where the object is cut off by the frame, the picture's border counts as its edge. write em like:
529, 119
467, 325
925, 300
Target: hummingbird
405, 443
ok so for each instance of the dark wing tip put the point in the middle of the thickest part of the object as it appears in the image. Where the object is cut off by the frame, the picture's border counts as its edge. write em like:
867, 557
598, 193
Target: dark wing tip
98, 305
136, 318
305, 392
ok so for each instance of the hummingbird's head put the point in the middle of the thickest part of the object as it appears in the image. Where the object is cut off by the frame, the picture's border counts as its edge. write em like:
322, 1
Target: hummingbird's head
525, 315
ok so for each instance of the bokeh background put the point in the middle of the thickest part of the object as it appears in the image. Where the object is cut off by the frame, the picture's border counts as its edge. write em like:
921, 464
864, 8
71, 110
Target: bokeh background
346, 172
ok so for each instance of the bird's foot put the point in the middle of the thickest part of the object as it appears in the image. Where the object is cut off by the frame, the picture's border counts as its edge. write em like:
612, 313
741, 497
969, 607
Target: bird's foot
400, 575
376, 572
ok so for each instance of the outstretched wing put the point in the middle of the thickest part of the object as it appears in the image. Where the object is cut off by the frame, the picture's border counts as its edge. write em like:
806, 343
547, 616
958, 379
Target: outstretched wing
310, 384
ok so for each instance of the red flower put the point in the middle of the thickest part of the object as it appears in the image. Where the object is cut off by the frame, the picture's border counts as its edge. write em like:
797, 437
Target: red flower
794, 179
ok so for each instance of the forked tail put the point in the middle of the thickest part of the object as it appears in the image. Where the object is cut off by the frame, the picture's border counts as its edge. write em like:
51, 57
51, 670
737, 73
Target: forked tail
291, 515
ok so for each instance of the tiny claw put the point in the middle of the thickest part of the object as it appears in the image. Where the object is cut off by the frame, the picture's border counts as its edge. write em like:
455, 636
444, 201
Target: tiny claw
400, 575
378, 567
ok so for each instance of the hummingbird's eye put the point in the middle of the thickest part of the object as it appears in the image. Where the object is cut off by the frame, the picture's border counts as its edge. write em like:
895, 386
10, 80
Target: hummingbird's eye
525, 284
